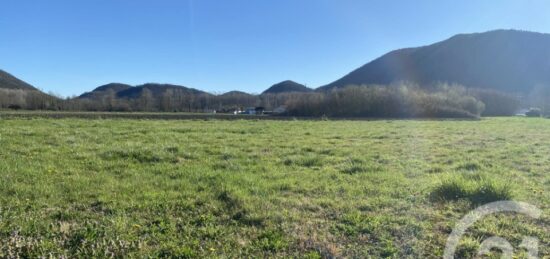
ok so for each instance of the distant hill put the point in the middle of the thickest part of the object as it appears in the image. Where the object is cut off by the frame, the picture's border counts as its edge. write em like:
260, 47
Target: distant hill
105, 89
506, 60
156, 90
236, 93
286, 87
132, 92
113, 86
235, 99
8, 81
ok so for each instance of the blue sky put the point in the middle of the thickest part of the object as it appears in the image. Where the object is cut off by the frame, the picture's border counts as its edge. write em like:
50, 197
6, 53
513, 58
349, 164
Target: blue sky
69, 47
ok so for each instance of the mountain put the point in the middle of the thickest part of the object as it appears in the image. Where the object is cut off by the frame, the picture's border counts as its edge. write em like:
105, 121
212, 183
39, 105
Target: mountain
105, 89
8, 81
506, 60
17, 94
132, 92
233, 100
286, 87
156, 90
117, 87
236, 93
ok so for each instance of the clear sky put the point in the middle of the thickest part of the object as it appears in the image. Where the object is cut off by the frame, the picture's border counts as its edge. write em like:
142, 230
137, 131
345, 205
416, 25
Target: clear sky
72, 46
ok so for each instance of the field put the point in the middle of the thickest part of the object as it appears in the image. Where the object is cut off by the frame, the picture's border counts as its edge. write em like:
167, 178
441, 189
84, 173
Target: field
133, 115
258, 188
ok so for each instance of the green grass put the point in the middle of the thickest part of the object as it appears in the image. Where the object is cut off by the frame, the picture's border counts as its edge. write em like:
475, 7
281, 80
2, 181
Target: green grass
306, 189
476, 188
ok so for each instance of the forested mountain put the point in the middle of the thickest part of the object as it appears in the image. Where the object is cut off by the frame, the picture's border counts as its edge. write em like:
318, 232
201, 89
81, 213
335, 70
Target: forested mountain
103, 90
133, 92
8, 81
287, 86
504, 60
17, 94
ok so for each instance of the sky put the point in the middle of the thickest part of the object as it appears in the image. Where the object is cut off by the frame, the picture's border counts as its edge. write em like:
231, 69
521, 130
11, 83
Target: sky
69, 47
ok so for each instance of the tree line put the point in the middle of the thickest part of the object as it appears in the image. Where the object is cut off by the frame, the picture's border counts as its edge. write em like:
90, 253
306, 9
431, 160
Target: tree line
17, 99
399, 101
404, 100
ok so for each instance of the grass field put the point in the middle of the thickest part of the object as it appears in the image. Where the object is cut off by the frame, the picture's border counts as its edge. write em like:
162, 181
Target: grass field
307, 189
8, 114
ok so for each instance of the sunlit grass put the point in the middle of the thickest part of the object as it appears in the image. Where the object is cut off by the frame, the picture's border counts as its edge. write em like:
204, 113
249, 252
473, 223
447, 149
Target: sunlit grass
102, 188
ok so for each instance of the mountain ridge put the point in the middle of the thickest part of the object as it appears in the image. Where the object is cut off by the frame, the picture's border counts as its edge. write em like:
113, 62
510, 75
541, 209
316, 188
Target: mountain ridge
506, 60
8, 81
287, 86
127, 91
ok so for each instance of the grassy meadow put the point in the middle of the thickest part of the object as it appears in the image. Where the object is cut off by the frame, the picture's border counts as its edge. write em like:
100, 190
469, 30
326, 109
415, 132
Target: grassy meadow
246, 188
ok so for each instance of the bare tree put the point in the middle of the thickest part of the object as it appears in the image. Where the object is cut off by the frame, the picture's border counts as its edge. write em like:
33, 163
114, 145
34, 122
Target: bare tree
146, 100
